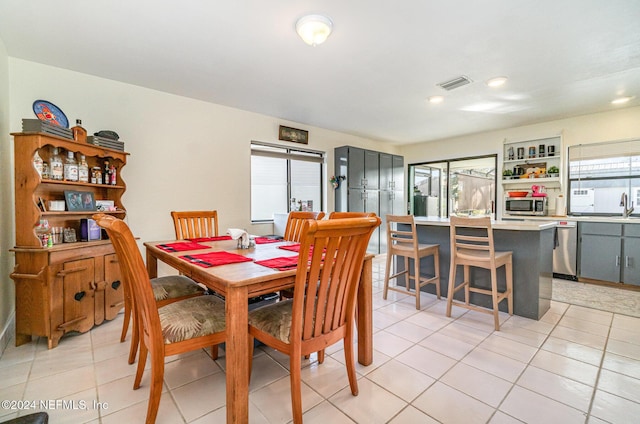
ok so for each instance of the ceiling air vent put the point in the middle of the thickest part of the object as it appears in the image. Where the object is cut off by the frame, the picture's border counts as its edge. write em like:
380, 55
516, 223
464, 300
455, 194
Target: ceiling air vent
455, 83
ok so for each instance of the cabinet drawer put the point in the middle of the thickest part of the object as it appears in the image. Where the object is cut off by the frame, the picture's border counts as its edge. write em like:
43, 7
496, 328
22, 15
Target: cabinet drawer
601, 228
632, 230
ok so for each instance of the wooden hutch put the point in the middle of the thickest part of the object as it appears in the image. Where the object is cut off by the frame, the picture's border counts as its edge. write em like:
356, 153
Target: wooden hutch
68, 286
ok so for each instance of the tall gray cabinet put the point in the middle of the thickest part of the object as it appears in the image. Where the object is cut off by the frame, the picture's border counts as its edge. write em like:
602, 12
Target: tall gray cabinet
374, 182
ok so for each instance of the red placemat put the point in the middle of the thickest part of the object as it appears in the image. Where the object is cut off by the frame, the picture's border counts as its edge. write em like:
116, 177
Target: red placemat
207, 260
266, 240
181, 246
291, 247
282, 263
216, 238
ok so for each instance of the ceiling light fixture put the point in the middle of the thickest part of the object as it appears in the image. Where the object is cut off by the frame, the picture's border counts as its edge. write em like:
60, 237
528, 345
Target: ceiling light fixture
314, 29
621, 100
496, 82
436, 99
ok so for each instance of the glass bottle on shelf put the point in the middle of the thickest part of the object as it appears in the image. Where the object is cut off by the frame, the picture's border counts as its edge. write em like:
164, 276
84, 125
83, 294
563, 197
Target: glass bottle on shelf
112, 175
38, 163
106, 174
83, 170
57, 167
70, 167
79, 133
46, 171
43, 232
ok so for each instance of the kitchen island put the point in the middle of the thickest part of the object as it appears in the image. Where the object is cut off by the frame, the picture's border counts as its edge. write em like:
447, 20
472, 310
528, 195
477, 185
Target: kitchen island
532, 246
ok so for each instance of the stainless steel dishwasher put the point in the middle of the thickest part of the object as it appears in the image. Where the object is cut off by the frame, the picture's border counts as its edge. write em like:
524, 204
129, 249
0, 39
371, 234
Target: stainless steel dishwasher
565, 258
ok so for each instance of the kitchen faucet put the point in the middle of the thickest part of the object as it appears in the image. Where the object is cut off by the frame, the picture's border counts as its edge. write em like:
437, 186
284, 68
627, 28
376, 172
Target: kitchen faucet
624, 202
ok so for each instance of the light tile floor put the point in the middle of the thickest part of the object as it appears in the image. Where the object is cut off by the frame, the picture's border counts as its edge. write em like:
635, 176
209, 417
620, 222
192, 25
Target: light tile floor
575, 365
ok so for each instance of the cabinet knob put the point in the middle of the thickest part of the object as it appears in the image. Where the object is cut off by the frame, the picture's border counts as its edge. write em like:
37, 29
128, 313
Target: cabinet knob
115, 284
78, 296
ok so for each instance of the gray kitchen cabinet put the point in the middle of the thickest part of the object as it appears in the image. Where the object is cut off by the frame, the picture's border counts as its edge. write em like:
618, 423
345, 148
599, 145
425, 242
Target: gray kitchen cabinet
373, 182
610, 252
631, 254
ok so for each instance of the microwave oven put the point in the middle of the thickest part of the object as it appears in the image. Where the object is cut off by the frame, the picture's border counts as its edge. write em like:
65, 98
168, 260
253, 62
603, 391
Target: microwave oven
533, 206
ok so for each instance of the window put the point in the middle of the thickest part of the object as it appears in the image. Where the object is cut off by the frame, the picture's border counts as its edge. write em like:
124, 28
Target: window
283, 179
601, 174
464, 186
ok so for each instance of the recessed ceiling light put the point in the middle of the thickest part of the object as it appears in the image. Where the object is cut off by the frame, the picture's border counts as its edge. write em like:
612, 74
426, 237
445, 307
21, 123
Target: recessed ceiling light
497, 81
621, 100
436, 99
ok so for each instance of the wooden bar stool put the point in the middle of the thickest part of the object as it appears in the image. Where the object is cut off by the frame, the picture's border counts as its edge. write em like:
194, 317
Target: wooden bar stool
472, 245
405, 243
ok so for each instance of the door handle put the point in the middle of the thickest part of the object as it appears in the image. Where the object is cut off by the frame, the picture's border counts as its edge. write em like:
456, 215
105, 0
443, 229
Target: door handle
617, 260
627, 261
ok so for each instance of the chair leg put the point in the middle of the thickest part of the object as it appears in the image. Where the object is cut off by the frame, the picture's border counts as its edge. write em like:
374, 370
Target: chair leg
416, 270
142, 361
127, 318
467, 283
494, 298
509, 277
321, 356
250, 353
436, 267
349, 362
214, 352
296, 387
407, 281
155, 391
387, 273
135, 338
452, 283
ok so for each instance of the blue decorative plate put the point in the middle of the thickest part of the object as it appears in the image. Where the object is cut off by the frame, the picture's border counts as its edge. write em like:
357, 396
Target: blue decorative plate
48, 112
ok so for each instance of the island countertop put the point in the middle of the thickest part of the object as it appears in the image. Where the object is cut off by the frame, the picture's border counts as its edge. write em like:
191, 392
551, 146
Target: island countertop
497, 224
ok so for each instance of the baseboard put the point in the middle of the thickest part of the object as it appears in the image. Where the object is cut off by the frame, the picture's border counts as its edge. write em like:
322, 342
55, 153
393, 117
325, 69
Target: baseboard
7, 332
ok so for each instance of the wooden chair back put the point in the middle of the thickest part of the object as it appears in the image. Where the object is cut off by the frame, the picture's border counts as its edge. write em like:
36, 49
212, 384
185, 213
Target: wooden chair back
343, 215
293, 230
134, 274
193, 224
472, 241
333, 252
399, 241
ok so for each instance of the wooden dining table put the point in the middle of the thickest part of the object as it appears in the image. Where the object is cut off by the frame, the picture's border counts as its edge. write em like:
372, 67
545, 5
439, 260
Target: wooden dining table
238, 282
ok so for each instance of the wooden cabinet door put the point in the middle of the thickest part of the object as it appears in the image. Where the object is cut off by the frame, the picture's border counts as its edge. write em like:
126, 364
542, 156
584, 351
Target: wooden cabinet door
114, 290
78, 295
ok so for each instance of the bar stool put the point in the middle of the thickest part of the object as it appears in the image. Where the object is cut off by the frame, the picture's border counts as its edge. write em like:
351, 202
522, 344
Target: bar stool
472, 245
405, 243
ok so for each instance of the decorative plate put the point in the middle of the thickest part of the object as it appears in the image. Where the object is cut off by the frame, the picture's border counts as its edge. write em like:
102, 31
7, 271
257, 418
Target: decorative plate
48, 112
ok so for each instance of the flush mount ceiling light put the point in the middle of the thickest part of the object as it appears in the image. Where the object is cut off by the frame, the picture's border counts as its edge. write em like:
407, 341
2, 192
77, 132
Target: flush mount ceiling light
314, 29
496, 82
436, 99
621, 100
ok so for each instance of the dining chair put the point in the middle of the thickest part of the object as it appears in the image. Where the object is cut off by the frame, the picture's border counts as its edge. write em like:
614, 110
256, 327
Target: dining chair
405, 243
178, 327
472, 246
342, 215
193, 224
295, 220
166, 289
319, 315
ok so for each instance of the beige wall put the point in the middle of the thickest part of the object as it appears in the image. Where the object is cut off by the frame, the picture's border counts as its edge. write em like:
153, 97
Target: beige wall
618, 124
6, 205
185, 153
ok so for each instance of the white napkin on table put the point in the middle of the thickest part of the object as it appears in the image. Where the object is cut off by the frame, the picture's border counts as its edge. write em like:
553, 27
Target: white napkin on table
237, 233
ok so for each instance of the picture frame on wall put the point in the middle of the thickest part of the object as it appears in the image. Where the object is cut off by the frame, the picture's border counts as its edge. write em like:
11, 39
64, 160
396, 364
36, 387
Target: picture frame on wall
293, 134
79, 200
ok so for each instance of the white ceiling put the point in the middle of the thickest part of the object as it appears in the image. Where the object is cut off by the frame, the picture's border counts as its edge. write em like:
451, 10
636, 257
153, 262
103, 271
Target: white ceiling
372, 76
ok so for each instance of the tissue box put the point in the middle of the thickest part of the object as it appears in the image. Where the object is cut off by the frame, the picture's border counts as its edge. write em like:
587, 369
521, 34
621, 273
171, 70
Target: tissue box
56, 205
89, 230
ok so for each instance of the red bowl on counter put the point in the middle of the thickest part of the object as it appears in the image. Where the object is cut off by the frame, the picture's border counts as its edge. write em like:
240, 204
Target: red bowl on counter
517, 193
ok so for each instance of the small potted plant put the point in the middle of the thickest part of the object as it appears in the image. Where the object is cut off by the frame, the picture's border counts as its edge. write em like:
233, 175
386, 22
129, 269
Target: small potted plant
507, 174
553, 171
